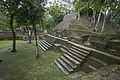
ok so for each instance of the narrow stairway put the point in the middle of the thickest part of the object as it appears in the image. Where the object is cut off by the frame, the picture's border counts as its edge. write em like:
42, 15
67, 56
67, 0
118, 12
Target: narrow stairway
72, 59
46, 43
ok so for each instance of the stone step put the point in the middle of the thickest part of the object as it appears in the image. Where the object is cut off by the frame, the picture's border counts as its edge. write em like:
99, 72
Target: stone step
63, 50
69, 69
81, 50
71, 59
88, 68
75, 57
106, 57
94, 63
64, 47
76, 54
68, 62
50, 40
83, 54
61, 67
47, 43
41, 46
99, 61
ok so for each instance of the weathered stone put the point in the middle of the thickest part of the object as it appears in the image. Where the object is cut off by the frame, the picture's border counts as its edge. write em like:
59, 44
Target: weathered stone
70, 17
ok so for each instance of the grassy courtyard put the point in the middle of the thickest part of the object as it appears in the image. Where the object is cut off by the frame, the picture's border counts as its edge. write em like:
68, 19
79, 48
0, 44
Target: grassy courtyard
23, 65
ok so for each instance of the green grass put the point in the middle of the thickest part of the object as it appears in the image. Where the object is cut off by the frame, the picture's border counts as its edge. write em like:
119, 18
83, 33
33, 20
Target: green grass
23, 65
7, 43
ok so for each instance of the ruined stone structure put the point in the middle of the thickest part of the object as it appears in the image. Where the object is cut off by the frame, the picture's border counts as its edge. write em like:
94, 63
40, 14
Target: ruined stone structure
75, 57
81, 50
6, 34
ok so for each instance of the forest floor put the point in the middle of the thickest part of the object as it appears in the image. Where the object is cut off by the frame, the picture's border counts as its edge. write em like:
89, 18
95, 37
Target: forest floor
23, 65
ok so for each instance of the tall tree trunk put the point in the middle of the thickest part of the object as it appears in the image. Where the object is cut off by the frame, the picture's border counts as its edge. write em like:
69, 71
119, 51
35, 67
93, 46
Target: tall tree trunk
29, 39
95, 29
93, 17
111, 17
87, 10
36, 44
79, 14
103, 22
13, 32
29, 35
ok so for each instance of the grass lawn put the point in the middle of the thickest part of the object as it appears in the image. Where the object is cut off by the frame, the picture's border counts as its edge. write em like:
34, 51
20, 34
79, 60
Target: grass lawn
23, 65
7, 44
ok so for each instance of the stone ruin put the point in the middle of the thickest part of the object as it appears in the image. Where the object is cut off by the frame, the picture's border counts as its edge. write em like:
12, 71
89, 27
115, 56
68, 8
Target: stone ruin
21, 34
110, 42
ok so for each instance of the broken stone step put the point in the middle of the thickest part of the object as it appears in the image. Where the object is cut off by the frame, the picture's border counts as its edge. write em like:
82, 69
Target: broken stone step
72, 59
61, 67
64, 50
41, 46
83, 54
47, 43
75, 57
94, 63
49, 40
81, 50
68, 62
76, 54
65, 65
99, 61
90, 66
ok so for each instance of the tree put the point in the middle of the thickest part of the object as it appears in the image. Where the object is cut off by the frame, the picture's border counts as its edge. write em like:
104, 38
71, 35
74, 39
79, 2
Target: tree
4, 21
109, 6
48, 21
35, 13
56, 13
29, 31
81, 5
11, 7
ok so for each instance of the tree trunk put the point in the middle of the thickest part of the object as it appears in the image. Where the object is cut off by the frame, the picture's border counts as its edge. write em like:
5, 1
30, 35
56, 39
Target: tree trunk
13, 32
103, 22
87, 10
93, 17
95, 29
36, 44
79, 14
29, 35
111, 17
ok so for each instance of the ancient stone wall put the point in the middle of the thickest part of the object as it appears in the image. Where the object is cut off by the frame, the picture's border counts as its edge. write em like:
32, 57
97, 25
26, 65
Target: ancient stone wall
6, 34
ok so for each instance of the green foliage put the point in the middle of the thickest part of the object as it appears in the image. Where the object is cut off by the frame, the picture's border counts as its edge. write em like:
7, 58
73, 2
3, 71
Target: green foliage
48, 22
4, 21
25, 11
56, 13
117, 20
10, 6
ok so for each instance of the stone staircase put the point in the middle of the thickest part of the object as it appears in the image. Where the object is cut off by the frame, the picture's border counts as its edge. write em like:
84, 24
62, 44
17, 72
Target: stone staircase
76, 57
46, 43
72, 59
